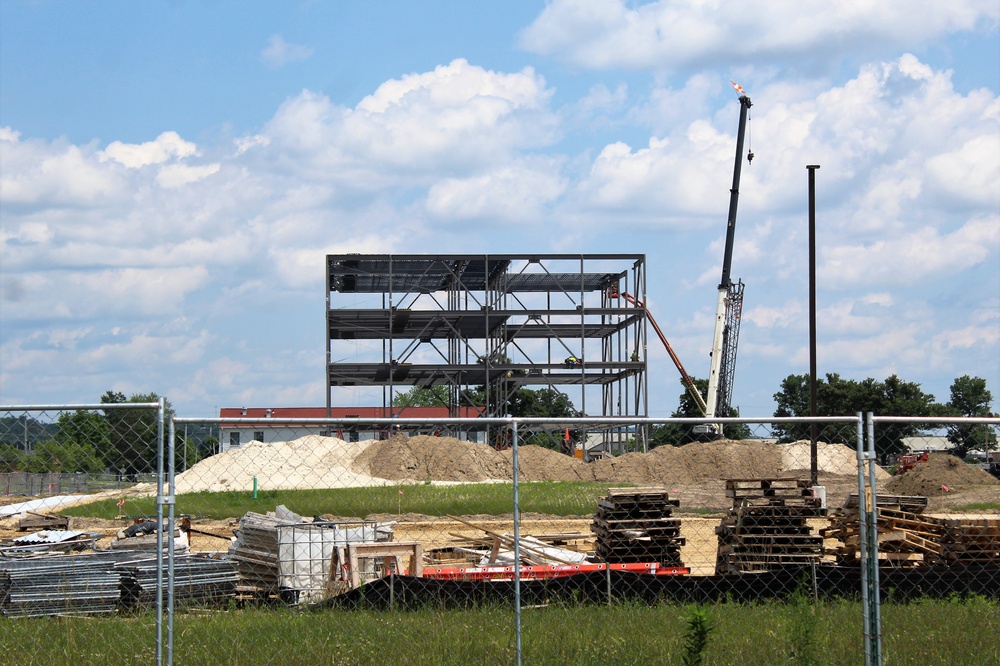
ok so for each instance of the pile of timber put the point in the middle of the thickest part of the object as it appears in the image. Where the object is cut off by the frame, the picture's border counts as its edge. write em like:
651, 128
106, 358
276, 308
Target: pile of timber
637, 525
907, 538
768, 526
971, 540
499, 549
33, 521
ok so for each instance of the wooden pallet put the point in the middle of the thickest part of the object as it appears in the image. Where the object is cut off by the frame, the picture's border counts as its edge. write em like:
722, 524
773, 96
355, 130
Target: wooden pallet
42, 521
637, 525
768, 526
911, 503
768, 489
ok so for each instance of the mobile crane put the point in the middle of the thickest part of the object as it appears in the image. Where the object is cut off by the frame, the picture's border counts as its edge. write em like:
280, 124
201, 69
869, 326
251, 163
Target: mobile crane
729, 305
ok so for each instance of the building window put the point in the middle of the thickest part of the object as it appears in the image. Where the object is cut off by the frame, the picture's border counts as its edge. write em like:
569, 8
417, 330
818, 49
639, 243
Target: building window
234, 440
258, 435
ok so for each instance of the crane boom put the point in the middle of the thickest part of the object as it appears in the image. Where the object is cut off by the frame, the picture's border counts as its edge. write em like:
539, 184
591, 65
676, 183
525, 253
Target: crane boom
730, 297
685, 377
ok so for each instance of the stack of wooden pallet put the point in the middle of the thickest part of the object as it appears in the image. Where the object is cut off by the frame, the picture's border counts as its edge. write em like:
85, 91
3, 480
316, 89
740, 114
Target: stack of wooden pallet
905, 536
637, 525
768, 526
971, 540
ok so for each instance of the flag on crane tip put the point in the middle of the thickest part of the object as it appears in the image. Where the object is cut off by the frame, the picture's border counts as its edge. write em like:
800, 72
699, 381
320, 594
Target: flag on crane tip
738, 87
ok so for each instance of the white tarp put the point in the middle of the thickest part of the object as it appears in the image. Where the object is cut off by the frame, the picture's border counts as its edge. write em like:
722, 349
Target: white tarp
306, 551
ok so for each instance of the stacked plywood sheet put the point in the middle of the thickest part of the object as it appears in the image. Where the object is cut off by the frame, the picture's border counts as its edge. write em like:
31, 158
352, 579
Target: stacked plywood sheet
637, 525
768, 526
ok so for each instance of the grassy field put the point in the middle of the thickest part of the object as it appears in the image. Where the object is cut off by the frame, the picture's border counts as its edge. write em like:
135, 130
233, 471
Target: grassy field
562, 498
925, 633
553, 498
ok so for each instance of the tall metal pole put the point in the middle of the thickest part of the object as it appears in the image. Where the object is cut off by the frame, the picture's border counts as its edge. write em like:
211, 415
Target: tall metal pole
813, 468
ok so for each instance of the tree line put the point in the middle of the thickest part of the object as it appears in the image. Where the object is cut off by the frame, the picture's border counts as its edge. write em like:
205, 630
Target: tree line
122, 441
836, 396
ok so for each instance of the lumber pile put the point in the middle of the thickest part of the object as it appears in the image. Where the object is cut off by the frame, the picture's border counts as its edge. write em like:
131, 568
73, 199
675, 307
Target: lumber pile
768, 526
33, 521
905, 538
971, 540
637, 525
498, 549
908, 538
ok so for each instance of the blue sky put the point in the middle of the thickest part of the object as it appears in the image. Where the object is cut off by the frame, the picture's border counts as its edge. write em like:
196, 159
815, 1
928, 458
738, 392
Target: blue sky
173, 173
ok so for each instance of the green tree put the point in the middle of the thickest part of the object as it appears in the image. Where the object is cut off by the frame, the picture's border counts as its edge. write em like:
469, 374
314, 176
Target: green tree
431, 396
10, 458
69, 456
132, 433
677, 434
970, 398
23, 431
836, 396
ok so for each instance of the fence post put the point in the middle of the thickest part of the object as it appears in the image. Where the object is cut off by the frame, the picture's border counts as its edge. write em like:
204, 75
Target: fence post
875, 602
517, 547
868, 525
171, 544
159, 537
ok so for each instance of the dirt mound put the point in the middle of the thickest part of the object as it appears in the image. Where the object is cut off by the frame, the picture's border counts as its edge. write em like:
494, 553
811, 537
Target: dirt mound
537, 463
942, 470
425, 458
639, 468
429, 458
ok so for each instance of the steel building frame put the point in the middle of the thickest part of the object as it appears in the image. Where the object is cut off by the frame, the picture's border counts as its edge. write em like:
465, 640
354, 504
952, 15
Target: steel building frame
491, 322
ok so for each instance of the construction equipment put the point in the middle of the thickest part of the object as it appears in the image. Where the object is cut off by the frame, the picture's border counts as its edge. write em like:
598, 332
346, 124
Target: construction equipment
730, 299
908, 461
685, 377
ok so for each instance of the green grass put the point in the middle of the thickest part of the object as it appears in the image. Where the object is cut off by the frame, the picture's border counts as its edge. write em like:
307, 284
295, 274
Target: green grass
925, 633
554, 498
977, 506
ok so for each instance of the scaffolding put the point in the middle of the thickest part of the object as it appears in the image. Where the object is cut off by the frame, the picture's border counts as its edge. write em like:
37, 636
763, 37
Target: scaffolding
486, 326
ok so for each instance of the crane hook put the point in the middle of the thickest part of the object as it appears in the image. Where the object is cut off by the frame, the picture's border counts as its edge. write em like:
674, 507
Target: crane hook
749, 156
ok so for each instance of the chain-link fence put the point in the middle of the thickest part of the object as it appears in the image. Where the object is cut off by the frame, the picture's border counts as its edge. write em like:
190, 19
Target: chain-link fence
516, 540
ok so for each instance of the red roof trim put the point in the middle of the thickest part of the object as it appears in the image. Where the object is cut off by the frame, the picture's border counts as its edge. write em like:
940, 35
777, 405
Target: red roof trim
344, 412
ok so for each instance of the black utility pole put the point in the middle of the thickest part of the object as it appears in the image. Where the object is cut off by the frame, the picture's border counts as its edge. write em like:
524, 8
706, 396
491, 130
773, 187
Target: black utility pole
813, 471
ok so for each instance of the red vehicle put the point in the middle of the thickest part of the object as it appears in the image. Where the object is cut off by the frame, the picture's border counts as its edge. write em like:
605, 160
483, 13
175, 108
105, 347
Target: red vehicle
907, 462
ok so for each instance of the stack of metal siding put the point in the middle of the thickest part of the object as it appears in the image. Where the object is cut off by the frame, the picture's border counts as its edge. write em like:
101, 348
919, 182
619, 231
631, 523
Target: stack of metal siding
59, 585
197, 580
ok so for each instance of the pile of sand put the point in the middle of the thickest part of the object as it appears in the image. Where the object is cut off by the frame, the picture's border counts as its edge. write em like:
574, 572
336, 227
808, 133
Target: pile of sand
830, 458
941, 474
308, 462
328, 462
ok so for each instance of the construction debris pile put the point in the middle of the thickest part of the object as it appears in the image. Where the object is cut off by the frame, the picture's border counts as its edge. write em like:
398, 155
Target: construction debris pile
768, 526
